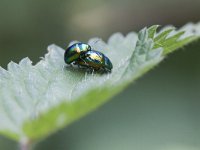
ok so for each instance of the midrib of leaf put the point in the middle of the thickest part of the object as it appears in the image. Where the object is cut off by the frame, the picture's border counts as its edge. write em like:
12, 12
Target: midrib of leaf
51, 111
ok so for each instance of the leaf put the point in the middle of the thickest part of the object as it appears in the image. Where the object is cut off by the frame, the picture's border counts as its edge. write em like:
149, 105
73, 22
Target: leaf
152, 30
37, 100
171, 40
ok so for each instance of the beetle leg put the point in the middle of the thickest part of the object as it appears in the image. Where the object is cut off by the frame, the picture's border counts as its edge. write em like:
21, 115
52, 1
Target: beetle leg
93, 71
84, 61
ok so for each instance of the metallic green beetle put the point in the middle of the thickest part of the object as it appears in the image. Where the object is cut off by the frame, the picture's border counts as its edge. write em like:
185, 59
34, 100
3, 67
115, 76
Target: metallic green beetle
95, 60
74, 52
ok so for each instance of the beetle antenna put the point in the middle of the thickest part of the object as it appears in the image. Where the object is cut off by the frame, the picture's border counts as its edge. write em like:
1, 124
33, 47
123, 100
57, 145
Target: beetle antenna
96, 41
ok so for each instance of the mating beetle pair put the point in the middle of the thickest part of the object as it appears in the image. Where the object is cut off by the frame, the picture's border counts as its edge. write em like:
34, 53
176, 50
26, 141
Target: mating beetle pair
82, 55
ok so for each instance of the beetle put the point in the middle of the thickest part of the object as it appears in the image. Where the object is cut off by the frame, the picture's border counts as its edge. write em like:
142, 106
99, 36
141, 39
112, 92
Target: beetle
95, 60
74, 52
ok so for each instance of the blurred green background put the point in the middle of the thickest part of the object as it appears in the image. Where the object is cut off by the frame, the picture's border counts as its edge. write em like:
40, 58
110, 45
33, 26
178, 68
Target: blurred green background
159, 112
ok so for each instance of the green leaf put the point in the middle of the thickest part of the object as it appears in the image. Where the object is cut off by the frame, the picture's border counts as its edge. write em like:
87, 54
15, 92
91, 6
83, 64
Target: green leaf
171, 40
37, 100
152, 30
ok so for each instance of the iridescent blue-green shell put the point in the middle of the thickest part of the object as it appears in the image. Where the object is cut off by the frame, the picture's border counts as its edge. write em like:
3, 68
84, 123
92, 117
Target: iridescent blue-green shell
74, 52
107, 63
95, 60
